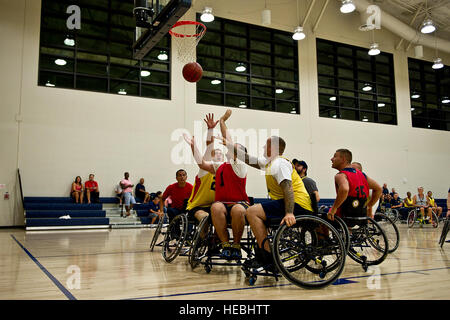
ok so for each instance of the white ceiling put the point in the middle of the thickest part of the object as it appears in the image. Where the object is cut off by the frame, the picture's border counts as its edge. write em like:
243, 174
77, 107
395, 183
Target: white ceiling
404, 10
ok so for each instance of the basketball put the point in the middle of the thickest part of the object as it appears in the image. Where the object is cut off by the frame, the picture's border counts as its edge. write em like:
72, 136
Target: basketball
192, 72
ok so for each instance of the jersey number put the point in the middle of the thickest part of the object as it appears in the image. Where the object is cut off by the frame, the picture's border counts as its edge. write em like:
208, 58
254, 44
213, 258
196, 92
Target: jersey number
360, 192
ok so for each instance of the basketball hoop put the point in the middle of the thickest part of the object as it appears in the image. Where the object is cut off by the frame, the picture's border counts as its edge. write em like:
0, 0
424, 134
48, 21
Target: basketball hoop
187, 35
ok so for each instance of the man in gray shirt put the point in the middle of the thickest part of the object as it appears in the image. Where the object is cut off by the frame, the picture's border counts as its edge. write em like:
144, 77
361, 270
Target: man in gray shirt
302, 168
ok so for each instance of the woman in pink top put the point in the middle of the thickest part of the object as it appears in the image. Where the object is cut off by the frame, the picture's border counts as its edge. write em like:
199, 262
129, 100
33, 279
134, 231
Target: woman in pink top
77, 190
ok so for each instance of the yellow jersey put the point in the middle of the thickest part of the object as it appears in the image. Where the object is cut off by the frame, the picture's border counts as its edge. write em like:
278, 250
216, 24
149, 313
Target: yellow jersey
409, 202
301, 196
203, 192
431, 201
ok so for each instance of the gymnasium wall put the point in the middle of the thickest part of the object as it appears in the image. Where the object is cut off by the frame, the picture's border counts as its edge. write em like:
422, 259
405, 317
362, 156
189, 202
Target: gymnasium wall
64, 133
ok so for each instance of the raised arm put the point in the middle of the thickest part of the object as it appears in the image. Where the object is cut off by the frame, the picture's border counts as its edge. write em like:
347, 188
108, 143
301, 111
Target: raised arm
202, 164
242, 155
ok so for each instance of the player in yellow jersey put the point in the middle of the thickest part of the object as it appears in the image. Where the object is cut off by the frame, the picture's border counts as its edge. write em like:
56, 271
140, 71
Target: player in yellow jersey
287, 192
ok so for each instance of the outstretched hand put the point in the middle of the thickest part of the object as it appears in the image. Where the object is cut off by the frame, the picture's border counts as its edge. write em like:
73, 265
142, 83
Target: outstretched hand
226, 115
210, 121
190, 141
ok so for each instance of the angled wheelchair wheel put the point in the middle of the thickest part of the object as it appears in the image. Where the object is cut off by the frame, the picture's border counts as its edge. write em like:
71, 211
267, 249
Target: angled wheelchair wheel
435, 222
310, 254
368, 243
175, 237
411, 218
199, 247
393, 214
390, 229
342, 228
444, 232
156, 234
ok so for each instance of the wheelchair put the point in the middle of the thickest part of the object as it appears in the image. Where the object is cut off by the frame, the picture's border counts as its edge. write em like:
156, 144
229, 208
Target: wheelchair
414, 216
445, 230
393, 214
158, 231
205, 248
390, 229
310, 254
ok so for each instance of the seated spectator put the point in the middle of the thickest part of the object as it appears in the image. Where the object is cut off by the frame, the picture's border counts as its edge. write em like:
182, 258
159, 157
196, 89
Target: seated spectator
392, 193
119, 193
408, 205
92, 191
396, 202
128, 198
385, 189
154, 211
142, 196
432, 204
77, 190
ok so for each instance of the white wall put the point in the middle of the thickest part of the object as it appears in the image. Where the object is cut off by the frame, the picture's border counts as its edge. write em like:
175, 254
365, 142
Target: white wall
66, 132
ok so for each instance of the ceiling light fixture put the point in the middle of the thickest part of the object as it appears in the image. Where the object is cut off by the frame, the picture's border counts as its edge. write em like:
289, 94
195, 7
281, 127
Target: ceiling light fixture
122, 91
445, 100
279, 91
60, 62
381, 104
216, 81
437, 64
298, 34
428, 26
347, 6
69, 41
163, 55
207, 15
367, 87
333, 98
240, 67
145, 73
415, 96
49, 84
373, 50
242, 104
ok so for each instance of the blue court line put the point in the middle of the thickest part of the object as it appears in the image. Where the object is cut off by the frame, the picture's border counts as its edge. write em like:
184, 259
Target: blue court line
278, 285
55, 281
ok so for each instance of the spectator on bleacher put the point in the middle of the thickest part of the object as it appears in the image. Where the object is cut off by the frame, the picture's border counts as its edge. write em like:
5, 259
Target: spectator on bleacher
77, 190
128, 198
432, 204
119, 192
154, 211
392, 193
302, 169
142, 196
396, 202
92, 191
385, 189
178, 193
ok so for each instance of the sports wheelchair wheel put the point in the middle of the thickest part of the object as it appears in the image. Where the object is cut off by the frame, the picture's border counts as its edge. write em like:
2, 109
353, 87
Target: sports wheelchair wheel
368, 242
435, 222
157, 233
444, 233
201, 242
175, 237
390, 229
393, 214
411, 218
307, 256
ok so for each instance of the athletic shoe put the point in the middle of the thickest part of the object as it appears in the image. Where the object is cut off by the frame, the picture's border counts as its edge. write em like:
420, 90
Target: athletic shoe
226, 250
236, 253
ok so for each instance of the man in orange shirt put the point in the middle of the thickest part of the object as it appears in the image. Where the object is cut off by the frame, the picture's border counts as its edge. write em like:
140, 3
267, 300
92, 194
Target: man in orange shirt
92, 192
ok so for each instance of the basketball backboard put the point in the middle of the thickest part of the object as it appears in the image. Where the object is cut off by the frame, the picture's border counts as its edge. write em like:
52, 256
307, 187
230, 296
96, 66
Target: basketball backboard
154, 18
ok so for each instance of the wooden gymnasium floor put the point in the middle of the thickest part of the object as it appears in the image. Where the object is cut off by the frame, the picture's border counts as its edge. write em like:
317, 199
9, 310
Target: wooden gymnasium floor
116, 264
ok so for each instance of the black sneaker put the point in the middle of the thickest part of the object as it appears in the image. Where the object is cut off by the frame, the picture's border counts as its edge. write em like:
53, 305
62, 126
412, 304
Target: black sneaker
226, 250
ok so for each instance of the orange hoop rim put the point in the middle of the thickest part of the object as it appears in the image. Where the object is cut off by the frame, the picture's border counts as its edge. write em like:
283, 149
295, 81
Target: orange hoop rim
183, 23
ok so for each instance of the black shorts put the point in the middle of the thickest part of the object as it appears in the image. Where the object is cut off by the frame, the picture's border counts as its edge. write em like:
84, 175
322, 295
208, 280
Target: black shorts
191, 213
275, 209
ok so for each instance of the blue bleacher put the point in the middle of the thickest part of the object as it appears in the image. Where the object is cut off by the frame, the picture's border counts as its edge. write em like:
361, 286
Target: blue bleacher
46, 212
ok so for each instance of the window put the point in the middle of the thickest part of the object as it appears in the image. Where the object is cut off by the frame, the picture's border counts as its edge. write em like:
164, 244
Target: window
354, 85
249, 67
99, 56
430, 92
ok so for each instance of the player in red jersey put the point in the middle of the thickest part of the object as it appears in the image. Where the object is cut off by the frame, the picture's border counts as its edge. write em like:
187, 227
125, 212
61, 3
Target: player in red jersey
231, 198
352, 188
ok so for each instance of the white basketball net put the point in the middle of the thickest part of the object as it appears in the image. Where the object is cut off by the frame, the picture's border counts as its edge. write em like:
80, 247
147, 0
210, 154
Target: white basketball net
186, 35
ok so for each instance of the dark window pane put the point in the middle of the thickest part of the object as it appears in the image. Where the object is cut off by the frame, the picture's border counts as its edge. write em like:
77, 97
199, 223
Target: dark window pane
91, 84
260, 46
236, 101
287, 95
56, 63
284, 50
209, 98
209, 50
349, 114
155, 92
325, 69
260, 58
328, 112
235, 87
235, 54
287, 107
262, 71
387, 119
324, 57
121, 86
262, 91
345, 73
367, 116
57, 80
214, 37
235, 41
235, 28
327, 100
205, 83
263, 104
326, 81
345, 51
124, 72
210, 63
348, 102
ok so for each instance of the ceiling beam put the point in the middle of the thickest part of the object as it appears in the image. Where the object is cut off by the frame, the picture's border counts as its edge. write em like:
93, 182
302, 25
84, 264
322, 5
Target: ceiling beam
316, 25
410, 23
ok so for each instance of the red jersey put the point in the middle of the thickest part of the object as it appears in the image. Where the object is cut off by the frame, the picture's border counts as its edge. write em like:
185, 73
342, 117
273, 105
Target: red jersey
355, 204
178, 194
90, 185
229, 186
